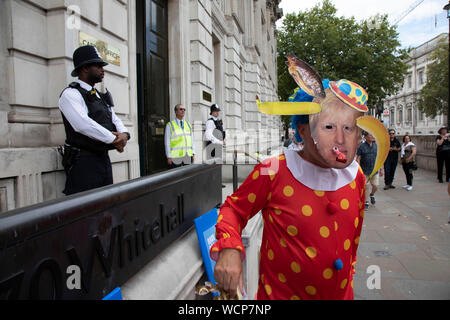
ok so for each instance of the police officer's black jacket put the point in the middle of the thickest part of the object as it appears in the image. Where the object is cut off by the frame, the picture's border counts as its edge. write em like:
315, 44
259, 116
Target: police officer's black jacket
98, 111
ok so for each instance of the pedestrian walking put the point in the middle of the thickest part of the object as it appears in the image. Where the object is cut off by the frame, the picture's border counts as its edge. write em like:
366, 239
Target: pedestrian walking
178, 140
91, 125
391, 162
443, 154
366, 156
408, 154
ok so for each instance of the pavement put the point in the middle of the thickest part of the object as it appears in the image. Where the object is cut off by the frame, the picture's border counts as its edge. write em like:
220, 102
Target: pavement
406, 236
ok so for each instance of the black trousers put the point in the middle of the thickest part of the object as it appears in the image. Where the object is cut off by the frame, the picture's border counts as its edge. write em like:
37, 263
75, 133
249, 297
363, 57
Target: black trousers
389, 170
407, 168
89, 171
443, 157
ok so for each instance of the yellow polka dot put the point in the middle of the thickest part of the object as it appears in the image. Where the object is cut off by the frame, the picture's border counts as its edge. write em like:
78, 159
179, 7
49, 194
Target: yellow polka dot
344, 204
292, 230
269, 196
262, 278
319, 193
255, 175
324, 232
277, 211
346, 244
343, 283
226, 235
270, 218
360, 204
270, 254
283, 242
234, 199
356, 222
310, 290
311, 252
335, 226
356, 240
361, 213
281, 277
294, 297
353, 184
295, 267
351, 284
215, 249
239, 247
268, 289
307, 210
219, 218
327, 273
288, 191
282, 157
252, 198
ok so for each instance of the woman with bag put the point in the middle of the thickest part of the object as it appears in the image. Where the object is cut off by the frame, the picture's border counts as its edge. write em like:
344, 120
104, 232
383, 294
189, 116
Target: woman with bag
443, 154
408, 154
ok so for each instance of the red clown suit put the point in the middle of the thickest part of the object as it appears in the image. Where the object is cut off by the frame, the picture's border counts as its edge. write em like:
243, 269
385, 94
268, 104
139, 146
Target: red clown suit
312, 213
310, 238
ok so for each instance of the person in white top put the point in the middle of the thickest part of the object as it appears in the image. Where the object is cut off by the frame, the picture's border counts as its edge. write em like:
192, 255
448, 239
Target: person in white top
91, 125
214, 133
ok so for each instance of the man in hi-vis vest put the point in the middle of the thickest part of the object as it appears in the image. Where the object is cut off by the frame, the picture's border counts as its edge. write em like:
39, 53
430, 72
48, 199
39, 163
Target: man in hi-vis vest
179, 140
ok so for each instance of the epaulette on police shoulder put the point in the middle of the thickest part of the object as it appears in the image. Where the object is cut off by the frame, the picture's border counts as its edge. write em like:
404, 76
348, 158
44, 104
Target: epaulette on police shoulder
72, 85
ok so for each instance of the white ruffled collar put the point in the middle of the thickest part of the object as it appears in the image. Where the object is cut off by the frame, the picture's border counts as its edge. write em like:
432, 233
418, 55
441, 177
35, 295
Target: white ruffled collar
317, 178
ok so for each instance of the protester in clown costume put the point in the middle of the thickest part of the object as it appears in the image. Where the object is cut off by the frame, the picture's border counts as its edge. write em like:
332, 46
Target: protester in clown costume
312, 201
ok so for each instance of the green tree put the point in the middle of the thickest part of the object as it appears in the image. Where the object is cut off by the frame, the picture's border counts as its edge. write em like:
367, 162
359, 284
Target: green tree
366, 52
433, 98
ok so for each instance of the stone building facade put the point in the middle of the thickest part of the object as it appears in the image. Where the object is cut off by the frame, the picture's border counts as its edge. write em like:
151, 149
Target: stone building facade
194, 52
404, 115
162, 52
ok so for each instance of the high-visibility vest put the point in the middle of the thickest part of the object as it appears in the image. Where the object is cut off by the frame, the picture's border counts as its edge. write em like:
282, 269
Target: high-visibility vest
180, 139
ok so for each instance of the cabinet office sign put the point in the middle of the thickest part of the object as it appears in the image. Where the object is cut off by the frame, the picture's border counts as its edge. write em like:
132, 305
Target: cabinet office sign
109, 233
108, 53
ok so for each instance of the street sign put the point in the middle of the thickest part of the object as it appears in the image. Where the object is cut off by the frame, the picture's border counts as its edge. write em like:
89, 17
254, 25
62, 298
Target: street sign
108, 233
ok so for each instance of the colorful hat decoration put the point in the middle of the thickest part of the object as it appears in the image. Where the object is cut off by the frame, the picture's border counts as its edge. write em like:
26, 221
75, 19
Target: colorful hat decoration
350, 93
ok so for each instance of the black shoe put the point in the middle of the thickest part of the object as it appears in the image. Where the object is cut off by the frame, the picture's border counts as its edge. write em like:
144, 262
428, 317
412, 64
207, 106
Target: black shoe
392, 187
372, 199
223, 186
386, 187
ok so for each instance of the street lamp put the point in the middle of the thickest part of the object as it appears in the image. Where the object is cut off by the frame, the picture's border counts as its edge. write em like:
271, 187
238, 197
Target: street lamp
447, 8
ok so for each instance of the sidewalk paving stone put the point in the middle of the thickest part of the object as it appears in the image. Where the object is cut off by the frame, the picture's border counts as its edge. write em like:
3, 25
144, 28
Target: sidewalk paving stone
406, 234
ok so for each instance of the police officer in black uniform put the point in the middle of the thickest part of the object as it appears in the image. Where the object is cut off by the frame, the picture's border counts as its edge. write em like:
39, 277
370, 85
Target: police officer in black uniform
91, 125
214, 134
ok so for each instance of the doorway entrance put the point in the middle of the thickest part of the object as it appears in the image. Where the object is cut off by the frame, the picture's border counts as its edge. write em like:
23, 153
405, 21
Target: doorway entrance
153, 90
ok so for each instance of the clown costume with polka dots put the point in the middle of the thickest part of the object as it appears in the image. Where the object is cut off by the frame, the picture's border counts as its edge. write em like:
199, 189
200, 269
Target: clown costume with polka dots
312, 202
310, 236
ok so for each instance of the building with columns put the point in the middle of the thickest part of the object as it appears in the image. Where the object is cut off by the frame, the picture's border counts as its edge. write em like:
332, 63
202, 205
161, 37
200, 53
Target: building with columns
403, 114
160, 53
